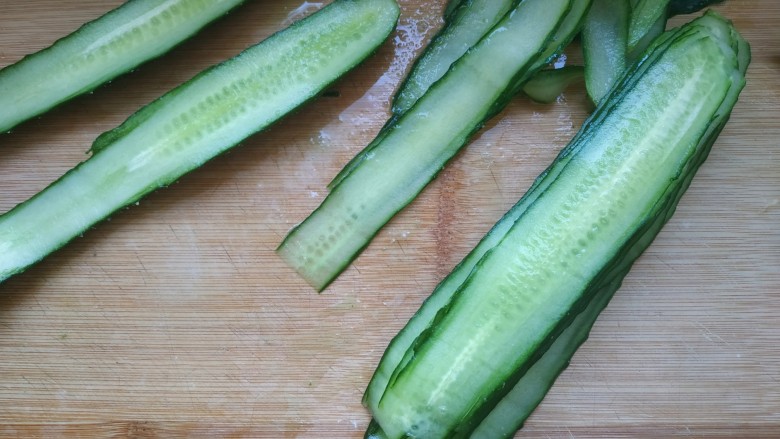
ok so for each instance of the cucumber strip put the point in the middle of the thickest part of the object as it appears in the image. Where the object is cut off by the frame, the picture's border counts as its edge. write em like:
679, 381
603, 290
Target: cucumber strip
466, 25
420, 143
99, 51
457, 367
194, 122
645, 17
605, 45
547, 85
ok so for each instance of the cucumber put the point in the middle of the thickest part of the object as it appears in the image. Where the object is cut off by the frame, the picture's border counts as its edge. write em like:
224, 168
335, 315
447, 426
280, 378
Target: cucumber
411, 152
193, 123
628, 167
99, 51
605, 45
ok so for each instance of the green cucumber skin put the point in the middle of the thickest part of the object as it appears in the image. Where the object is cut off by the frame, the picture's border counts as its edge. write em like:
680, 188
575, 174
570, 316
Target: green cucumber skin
371, 194
99, 51
195, 122
678, 189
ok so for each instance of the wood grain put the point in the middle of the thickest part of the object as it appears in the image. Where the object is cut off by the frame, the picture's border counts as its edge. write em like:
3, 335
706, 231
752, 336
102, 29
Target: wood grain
176, 319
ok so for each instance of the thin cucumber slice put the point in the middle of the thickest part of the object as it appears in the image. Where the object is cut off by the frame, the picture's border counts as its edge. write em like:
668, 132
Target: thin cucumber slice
547, 85
100, 50
466, 25
645, 16
457, 366
194, 122
420, 143
605, 45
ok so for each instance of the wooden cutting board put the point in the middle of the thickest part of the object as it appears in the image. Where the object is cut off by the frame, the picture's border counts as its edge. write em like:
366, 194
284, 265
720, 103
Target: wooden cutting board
175, 317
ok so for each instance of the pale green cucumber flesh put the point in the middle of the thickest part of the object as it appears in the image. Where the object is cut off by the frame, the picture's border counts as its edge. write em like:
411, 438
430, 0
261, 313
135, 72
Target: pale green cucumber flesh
195, 122
546, 85
418, 144
100, 50
605, 45
474, 348
514, 408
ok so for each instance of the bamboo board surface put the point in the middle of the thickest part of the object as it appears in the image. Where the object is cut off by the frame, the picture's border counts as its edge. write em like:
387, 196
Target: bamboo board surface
175, 318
